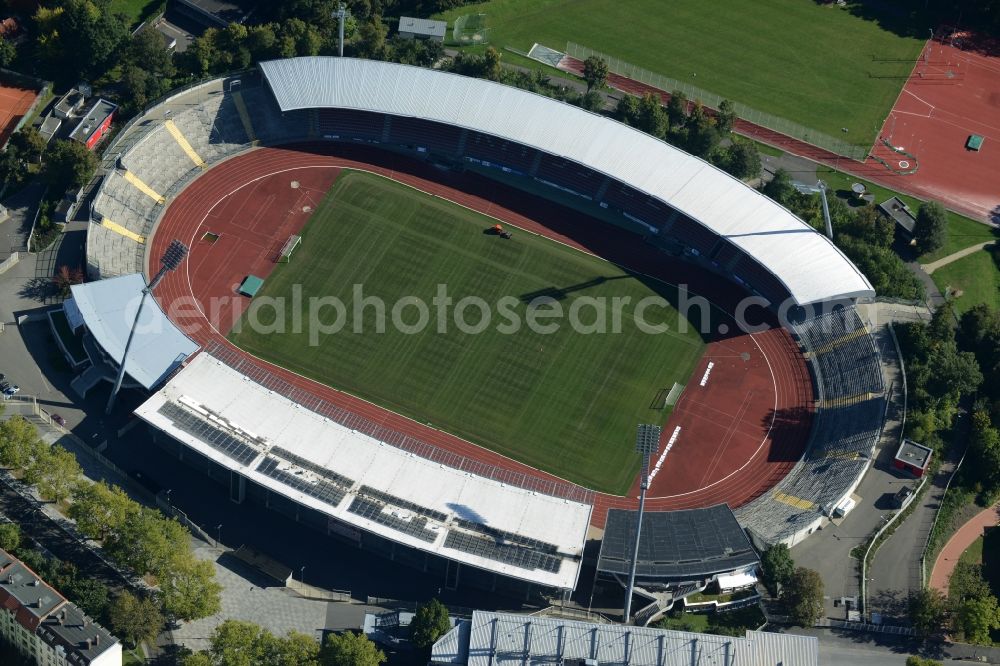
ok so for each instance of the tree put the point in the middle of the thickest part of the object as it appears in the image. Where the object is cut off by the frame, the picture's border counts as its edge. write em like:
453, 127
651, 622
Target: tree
652, 119
18, 440
69, 165
371, 38
780, 188
803, 595
967, 582
725, 117
100, 510
677, 108
60, 471
297, 649
627, 110
927, 609
148, 542
88, 593
197, 659
7, 52
350, 649
591, 101
702, 136
492, 69
977, 617
238, 643
190, 591
28, 143
742, 160
930, 231
135, 619
65, 278
10, 536
595, 72
777, 566
430, 623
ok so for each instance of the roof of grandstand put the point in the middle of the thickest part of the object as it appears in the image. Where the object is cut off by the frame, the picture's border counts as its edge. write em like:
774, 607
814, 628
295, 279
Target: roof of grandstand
504, 638
108, 308
806, 262
677, 545
362, 481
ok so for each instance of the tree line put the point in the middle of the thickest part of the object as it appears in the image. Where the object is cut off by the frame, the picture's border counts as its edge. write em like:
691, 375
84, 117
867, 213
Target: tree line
133, 536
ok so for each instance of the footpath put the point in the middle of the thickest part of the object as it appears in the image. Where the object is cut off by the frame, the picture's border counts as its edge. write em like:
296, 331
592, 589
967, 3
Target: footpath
963, 537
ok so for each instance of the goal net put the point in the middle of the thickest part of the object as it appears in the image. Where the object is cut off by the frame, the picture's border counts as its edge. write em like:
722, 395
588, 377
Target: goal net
470, 29
287, 249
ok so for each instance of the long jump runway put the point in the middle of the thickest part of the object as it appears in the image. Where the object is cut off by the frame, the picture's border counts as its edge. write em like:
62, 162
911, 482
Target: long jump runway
740, 432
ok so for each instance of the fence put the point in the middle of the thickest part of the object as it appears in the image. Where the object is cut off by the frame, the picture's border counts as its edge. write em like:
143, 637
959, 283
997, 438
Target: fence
937, 512
28, 81
763, 119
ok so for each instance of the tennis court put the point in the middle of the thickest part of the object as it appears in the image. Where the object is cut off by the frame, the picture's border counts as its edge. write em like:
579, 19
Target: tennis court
15, 102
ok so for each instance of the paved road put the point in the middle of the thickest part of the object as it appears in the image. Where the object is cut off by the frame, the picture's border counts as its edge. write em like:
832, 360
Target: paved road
36, 525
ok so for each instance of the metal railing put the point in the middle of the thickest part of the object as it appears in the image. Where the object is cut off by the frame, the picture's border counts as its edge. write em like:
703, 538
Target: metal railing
761, 118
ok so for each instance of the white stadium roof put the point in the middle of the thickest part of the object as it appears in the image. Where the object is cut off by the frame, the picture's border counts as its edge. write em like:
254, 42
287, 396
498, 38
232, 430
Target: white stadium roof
806, 262
108, 308
226, 410
498, 639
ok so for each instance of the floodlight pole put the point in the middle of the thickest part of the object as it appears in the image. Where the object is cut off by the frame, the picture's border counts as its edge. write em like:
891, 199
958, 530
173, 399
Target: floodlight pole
646, 442
826, 209
171, 259
341, 15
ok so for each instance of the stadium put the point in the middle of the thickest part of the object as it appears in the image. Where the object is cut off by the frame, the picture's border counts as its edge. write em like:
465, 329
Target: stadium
504, 490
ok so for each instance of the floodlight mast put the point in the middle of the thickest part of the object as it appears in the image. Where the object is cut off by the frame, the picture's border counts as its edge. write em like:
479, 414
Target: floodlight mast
646, 442
341, 15
171, 259
821, 186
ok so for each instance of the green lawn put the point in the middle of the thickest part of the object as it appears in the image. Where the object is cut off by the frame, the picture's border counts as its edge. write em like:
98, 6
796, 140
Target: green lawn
137, 10
962, 231
565, 402
814, 64
977, 275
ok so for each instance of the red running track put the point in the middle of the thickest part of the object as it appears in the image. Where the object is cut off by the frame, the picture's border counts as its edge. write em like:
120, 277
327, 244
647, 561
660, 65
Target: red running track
740, 433
951, 95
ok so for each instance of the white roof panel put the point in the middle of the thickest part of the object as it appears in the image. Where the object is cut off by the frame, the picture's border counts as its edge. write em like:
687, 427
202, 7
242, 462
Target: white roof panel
276, 421
108, 308
495, 639
807, 263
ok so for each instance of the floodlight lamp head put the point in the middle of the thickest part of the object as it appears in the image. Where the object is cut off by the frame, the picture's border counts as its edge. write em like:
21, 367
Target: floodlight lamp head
647, 439
174, 255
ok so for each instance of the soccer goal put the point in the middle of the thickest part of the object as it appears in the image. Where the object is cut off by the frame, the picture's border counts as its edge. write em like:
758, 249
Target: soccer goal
470, 29
286, 250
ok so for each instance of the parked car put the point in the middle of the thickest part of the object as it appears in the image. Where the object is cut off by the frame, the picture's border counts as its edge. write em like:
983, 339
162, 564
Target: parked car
60, 420
11, 390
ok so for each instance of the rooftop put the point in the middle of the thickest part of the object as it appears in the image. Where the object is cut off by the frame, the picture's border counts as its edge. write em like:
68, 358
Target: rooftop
914, 454
366, 482
108, 309
898, 211
419, 26
679, 545
41, 609
498, 639
808, 263
92, 120
223, 12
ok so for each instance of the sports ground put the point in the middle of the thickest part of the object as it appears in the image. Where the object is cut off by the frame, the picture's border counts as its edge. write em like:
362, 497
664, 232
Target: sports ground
742, 426
565, 402
811, 63
15, 101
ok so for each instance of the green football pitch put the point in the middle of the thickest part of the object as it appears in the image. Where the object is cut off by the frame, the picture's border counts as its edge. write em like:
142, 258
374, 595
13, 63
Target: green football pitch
815, 64
566, 402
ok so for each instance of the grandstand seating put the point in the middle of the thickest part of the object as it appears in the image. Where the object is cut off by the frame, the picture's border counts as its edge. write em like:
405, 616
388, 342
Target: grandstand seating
693, 234
642, 206
761, 279
569, 175
213, 128
346, 124
434, 137
500, 151
270, 125
845, 431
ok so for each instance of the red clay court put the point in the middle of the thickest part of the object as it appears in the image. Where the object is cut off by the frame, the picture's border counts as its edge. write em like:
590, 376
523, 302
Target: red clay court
737, 438
952, 93
15, 102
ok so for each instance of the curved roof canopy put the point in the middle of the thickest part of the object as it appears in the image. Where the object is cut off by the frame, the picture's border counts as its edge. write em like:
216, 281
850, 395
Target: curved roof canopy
108, 308
806, 262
